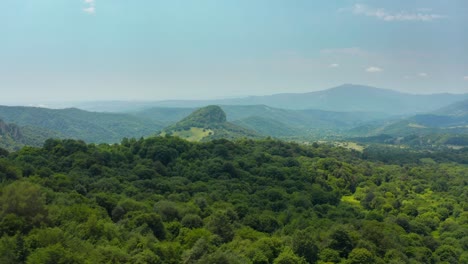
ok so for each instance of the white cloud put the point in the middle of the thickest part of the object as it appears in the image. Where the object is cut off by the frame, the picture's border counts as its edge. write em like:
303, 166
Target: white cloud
382, 14
465, 78
374, 69
423, 74
334, 65
89, 10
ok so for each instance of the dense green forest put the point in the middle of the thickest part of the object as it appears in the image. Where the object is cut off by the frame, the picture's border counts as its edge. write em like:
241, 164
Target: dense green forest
167, 200
38, 124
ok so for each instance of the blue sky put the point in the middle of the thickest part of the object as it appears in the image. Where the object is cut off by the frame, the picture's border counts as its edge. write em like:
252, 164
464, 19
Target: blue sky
69, 50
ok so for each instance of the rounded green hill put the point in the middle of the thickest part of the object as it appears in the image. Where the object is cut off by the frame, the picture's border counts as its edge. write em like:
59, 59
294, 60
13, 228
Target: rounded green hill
208, 123
208, 115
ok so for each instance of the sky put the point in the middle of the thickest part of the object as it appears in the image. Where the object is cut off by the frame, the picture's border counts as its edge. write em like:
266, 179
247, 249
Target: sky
86, 50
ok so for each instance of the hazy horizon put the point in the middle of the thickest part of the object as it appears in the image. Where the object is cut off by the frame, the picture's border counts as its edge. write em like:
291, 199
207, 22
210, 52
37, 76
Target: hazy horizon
102, 50
59, 104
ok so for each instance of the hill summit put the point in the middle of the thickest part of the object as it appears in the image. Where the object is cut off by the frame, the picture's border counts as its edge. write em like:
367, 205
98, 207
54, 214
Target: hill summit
205, 117
207, 123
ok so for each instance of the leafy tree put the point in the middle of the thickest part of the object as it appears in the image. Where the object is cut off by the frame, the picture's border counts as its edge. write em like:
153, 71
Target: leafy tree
54, 254
192, 221
360, 256
7, 171
220, 224
199, 249
329, 255
168, 210
153, 222
304, 245
288, 257
447, 253
342, 242
22, 201
221, 257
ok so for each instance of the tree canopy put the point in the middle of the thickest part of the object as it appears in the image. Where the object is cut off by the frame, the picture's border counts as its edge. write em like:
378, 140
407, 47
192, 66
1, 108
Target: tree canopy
167, 200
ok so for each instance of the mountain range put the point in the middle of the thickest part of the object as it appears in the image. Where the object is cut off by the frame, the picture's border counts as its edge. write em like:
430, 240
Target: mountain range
344, 98
364, 112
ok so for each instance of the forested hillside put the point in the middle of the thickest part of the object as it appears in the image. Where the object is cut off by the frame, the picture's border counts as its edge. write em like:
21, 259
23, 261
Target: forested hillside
10, 135
445, 127
167, 200
14, 137
78, 124
297, 119
208, 123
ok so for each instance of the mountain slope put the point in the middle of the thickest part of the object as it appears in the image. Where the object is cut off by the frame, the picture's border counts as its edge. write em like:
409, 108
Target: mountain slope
14, 137
296, 119
208, 123
446, 126
164, 115
10, 136
79, 124
455, 109
268, 126
452, 119
422, 125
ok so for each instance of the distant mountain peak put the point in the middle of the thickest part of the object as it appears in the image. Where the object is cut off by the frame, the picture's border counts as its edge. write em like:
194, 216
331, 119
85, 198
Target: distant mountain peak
359, 88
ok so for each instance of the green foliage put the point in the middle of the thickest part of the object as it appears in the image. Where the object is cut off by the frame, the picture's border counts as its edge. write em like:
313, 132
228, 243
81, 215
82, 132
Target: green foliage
329, 255
55, 254
22, 207
288, 257
341, 242
221, 257
166, 200
220, 224
192, 221
304, 245
360, 256
152, 221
